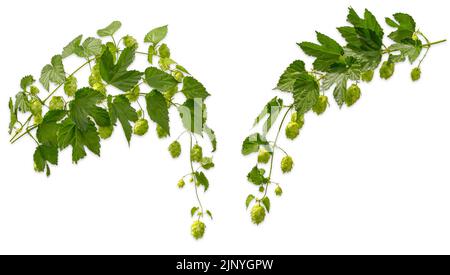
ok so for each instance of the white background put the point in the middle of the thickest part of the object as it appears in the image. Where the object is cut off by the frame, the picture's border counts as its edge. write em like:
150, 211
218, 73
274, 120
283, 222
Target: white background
370, 179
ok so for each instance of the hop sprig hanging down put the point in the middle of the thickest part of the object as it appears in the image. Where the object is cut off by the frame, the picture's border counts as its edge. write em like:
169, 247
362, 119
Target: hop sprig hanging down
81, 117
337, 68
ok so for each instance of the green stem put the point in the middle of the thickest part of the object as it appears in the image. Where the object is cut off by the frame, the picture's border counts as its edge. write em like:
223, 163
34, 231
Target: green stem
273, 151
12, 141
193, 174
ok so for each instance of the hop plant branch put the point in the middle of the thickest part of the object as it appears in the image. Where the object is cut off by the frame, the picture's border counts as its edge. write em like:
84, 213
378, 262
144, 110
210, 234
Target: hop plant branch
335, 66
81, 117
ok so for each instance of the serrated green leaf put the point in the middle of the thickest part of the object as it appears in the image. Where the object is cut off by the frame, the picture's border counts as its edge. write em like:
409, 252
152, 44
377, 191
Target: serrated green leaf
339, 80
193, 88
48, 129
22, 103
84, 105
410, 51
156, 35
157, 109
91, 47
159, 79
53, 72
272, 109
256, 176
406, 27
192, 115
72, 47
12, 116
43, 155
70, 134
117, 74
249, 199
120, 109
266, 203
288, 78
306, 92
26, 82
328, 53
202, 180
252, 144
110, 30
212, 137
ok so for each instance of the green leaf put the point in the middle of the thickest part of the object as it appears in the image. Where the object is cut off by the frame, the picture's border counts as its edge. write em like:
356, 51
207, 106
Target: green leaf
70, 134
340, 82
110, 29
91, 47
202, 180
249, 199
252, 143
327, 54
212, 137
117, 74
26, 81
209, 214
159, 80
84, 105
13, 116
266, 203
156, 35
72, 47
272, 109
366, 33
43, 155
193, 211
193, 89
157, 109
181, 68
48, 129
288, 78
256, 176
411, 51
53, 72
406, 27
192, 115
22, 103
120, 109
306, 93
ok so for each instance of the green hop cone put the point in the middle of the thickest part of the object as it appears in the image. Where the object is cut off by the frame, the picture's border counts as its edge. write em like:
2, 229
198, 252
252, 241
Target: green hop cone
278, 191
100, 87
164, 51
352, 95
38, 119
34, 90
261, 189
286, 164
36, 107
140, 127
299, 119
198, 230
130, 42
181, 184
258, 214
57, 103
161, 132
70, 86
263, 156
133, 95
387, 69
196, 153
321, 105
415, 74
292, 130
105, 132
178, 76
175, 149
367, 76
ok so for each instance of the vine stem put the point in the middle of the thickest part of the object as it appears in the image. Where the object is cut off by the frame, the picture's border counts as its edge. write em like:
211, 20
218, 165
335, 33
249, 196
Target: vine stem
273, 151
193, 174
